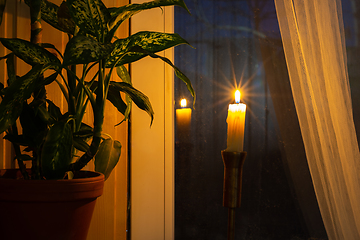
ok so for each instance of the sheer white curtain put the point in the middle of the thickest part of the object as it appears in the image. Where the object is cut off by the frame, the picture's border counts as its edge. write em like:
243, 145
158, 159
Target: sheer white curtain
313, 38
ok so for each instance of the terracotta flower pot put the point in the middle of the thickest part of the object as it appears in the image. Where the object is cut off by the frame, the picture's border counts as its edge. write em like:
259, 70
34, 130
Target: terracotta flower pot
48, 209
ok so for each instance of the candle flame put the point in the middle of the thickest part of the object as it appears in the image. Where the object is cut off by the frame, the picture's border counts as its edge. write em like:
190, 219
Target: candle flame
183, 103
237, 96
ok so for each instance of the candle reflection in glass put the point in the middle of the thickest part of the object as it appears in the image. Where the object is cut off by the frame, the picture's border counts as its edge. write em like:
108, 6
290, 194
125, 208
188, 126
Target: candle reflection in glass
183, 121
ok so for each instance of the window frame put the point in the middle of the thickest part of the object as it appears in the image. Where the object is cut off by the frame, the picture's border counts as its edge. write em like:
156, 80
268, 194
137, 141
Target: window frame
152, 148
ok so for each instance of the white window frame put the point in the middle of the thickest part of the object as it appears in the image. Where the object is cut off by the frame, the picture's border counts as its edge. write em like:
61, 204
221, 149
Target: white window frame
152, 148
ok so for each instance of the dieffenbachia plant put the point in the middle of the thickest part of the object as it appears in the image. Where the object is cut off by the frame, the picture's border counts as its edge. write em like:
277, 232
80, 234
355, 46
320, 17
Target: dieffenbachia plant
52, 139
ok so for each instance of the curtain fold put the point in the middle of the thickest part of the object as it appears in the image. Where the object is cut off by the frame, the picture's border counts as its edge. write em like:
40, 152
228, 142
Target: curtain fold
313, 37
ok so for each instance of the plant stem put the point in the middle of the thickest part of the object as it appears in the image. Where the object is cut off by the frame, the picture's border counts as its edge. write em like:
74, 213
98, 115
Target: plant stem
13, 129
99, 108
36, 36
72, 86
35, 15
17, 150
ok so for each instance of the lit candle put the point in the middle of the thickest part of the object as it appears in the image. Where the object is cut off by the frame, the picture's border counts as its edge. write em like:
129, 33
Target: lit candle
183, 120
236, 125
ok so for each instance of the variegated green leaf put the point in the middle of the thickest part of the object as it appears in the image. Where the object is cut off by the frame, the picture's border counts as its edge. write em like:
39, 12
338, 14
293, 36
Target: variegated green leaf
92, 16
123, 73
178, 73
10, 66
2, 7
49, 13
29, 52
43, 114
33, 123
82, 136
66, 23
81, 50
140, 99
119, 15
18, 139
53, 110
115, 98
125, 77
80, 144
24, 157
57, 151
20, 90
51, 78
149, 41
5, 57
52, 47
107, 157
85, 131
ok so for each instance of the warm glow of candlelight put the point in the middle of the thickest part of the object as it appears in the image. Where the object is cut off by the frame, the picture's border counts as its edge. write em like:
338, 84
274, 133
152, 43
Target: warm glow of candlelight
183, 103
236, 125
237, 96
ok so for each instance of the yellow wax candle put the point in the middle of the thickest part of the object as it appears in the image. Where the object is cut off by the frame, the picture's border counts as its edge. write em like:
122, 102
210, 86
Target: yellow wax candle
183, 121
236, 125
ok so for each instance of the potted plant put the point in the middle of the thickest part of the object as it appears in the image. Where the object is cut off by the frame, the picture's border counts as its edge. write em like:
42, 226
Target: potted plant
59, 144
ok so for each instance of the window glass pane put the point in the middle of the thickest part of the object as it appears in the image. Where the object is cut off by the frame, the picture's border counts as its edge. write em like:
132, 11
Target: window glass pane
238, 44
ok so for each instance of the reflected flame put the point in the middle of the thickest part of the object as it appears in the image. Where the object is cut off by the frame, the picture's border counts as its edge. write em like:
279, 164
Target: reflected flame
183, 103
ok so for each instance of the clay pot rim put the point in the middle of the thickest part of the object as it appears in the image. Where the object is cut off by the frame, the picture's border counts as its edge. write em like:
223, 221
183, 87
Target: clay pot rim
52, 190
80, 176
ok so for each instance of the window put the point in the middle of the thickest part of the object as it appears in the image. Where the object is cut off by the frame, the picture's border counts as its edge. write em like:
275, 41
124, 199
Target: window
238, 44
